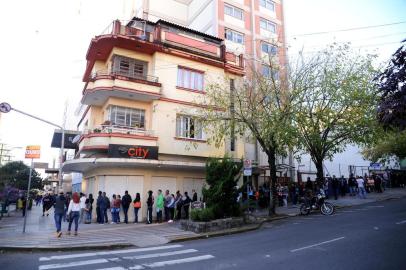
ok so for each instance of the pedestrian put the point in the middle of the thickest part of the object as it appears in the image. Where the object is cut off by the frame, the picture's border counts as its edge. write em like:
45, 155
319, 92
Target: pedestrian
99, 204
107, 204
74, 212
67, 201
309, 184
119, 208
82, 207
126, 201
178, 205
89, 208
159, 206
150, 204
46, 201
194, 196
186, 204
137, 206
343, 186
167, 200
335, 185
59, 212
115, 209
361, 187
20, 204
24, 204
352, 183
171, 208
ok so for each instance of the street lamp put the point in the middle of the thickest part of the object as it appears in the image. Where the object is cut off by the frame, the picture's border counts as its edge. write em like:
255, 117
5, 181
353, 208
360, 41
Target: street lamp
5, 108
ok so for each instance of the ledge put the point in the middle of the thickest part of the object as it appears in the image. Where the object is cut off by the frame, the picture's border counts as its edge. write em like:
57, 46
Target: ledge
190, 140
191, 90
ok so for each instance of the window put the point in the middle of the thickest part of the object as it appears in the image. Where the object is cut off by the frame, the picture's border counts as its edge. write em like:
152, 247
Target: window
234, 12
190, 79
267, 72
269, 48
234, 36
267, 4
267, 25
129, 67
127, 117
189, 127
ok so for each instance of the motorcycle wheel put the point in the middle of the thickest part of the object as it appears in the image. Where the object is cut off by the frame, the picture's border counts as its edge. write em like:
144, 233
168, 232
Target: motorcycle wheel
303, 210
327, 208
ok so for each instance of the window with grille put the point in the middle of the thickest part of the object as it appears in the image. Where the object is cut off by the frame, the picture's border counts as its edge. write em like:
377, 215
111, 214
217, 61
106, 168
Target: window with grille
267, 25
190, 79
129, 67
126, 117
189, 127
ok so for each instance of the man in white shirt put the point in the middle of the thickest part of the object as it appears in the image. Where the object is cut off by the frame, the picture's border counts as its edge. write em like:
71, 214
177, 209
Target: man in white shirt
82, 207
361, 187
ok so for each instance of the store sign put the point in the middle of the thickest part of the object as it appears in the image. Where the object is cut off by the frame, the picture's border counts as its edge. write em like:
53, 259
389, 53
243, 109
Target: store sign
133, 151
33, 151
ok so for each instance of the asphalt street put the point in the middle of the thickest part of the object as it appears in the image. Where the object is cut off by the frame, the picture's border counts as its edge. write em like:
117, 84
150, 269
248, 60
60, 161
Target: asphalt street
370, 236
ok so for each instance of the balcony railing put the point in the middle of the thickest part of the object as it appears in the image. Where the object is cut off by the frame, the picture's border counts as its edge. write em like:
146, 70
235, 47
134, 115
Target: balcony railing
120, 130
131, 75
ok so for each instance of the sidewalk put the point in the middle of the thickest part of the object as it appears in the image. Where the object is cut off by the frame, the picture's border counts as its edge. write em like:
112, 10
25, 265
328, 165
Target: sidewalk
40, 231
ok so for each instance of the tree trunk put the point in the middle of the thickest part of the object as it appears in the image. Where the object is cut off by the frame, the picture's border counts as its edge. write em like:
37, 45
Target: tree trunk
272, 168
320, 172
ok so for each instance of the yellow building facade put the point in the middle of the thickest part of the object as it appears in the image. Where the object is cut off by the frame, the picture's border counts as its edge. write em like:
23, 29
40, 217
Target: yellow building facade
141, 129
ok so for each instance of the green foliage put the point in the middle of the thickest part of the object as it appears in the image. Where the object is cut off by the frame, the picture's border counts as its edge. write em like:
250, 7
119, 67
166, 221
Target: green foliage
222, 176
336, 102
16, 174
205, 214
391, 145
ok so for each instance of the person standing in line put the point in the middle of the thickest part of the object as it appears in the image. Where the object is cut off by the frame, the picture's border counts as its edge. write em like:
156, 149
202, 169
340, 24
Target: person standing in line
59, 212
99, 203
119, 208
89, 208
361, 187
194, 196
167, 200
107, 204
343, 186
82, 207
178, 205
74, 212
186, 204
150, 204
115, 208
159, 206
137, 206
352, 183
126, 201
171, 208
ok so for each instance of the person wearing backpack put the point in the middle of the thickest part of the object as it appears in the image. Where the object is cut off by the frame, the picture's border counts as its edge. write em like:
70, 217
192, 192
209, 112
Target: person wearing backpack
150, 203
125, 202
137, 206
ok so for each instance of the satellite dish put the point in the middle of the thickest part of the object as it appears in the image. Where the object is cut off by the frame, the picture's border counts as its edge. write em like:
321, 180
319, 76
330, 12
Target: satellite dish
76, 139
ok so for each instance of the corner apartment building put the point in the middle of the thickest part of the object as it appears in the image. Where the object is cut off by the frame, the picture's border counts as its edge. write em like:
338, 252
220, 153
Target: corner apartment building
141, 130
252, 27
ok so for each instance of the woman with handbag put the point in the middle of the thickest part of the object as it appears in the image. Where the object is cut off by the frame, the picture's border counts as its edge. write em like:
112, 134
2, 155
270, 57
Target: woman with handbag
74, 212
137, 206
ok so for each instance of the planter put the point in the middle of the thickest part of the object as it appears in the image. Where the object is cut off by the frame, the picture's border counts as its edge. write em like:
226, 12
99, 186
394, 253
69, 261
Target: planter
211, 226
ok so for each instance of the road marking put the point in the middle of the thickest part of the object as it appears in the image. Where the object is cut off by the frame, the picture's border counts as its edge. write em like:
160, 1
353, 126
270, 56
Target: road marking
113, 268
347, 211
163, 254
71, 264
376, 228
179, 261
375, 206
89, 254
318, 244
401, 222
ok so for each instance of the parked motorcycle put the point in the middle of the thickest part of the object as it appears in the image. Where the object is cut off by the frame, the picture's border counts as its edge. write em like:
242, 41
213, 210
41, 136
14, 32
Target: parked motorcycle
318, 203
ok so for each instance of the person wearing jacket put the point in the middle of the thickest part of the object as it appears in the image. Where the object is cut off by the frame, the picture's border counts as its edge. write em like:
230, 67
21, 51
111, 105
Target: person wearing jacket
186, 204
150, 204
59, 212
100, 208
167, 200
171, 208
137, 206
74, 212
178, 205
89, 208
159, 206
115, 209
125, 202
107, 204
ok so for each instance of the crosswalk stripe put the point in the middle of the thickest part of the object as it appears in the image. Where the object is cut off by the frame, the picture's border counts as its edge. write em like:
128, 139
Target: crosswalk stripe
163, 254
113, 268
89, 254
179, 261
71, 264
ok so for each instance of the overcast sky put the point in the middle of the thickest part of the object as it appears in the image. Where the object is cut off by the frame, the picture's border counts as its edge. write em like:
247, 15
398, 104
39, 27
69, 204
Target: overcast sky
44, 44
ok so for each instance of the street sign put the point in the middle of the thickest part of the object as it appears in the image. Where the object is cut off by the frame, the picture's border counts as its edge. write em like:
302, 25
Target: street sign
247, 172
33, 151
5, 107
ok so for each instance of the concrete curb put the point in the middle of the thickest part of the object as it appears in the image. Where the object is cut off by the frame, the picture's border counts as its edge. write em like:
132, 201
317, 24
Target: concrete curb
74, 248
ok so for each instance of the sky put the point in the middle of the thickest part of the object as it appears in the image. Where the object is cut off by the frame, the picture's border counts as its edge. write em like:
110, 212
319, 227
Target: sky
44, 44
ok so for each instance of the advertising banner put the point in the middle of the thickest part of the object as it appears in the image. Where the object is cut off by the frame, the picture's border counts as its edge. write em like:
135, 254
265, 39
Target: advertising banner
132, 151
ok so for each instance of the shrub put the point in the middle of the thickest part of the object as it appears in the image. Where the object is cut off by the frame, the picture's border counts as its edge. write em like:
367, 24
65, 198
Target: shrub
205, 214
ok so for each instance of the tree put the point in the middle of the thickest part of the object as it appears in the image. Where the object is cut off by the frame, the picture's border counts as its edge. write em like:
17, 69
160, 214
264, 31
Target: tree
16, 174
221, 195
392, 87
258, 107
337, 102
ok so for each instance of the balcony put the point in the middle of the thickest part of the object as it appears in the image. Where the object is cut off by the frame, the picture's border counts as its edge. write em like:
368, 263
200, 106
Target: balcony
99, 137
104, 84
